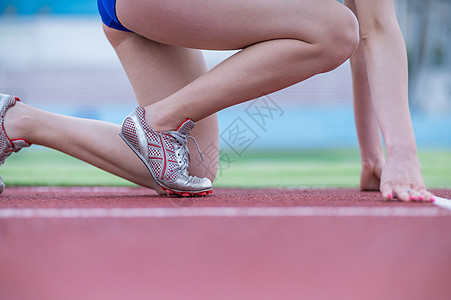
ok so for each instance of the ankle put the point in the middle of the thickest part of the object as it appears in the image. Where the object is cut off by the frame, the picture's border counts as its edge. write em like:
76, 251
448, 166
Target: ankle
161, 120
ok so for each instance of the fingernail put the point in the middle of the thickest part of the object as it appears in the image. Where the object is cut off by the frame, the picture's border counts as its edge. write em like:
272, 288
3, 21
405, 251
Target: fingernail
421, 198
411, 198
432, 199
389, 196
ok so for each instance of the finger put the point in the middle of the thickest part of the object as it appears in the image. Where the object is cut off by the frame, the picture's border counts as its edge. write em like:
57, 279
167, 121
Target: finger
415, 195
402, 194
387, 192
424, 195
428, 196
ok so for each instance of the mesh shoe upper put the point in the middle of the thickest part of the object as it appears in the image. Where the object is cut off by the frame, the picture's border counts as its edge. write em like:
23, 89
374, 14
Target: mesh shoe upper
165, 154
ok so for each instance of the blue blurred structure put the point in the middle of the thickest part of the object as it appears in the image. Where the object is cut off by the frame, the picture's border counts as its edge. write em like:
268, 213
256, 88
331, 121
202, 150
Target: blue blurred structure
60, 61
34, 7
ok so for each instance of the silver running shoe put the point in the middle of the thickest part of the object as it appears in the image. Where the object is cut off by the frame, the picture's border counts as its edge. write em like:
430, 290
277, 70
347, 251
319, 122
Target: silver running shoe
165, 155
7, 146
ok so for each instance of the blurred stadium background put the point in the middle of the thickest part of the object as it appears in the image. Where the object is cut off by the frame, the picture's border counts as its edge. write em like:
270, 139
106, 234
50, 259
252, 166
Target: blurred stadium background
55, 57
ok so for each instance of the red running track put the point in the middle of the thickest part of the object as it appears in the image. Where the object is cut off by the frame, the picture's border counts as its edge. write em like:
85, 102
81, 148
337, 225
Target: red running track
407, 256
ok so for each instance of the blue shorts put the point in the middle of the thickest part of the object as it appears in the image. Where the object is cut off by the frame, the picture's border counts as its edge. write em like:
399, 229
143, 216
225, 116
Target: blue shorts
107, 10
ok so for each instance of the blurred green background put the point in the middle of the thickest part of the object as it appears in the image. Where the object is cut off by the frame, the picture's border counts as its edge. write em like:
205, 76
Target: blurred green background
304, 168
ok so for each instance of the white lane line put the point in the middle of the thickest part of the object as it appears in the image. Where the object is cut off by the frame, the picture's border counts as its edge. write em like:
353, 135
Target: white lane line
84, 189
399, 211
442, 202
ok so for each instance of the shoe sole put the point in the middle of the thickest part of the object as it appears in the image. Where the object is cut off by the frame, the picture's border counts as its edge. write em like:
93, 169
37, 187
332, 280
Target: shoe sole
168, 190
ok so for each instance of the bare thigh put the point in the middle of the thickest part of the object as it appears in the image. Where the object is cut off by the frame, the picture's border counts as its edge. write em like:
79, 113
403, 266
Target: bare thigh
232, 24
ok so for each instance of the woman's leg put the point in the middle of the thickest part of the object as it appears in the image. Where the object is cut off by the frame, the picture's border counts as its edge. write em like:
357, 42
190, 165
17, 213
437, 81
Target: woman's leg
156, 71
386, 61
95, 142
284, 43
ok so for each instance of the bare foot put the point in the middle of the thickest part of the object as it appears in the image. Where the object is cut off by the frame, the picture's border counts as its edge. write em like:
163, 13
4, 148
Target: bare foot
401, 178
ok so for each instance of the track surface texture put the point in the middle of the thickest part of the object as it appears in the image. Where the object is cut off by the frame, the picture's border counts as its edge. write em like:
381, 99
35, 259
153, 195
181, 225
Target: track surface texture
93, 243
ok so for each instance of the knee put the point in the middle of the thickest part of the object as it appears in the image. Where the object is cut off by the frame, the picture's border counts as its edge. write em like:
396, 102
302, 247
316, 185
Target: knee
340, 40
